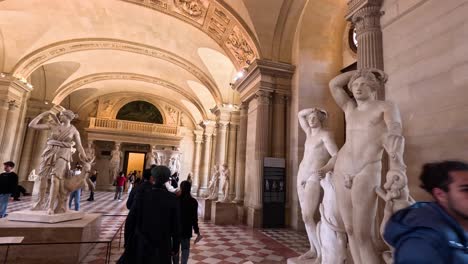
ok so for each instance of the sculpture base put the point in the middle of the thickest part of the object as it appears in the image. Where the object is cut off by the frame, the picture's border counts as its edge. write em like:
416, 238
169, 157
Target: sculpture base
204, 208
86, 229
224, 213
296, 260
43, 217
254, 217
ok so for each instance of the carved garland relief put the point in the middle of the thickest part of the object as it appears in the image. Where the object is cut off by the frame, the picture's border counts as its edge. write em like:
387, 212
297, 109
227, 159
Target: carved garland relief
211, 17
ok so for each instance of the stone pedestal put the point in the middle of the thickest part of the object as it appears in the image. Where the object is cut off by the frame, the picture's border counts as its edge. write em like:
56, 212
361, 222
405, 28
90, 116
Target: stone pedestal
297, 261
224, 213
204, 208
84, 230
43, 217
28, 185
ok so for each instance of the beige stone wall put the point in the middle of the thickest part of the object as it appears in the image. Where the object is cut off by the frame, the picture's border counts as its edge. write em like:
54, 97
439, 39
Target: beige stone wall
426, 57
318, 58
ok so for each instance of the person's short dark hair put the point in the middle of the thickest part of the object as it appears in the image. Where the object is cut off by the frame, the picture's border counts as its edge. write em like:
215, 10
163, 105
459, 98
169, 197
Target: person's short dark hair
147, 174
436, 174
185, 188
9, 163
160, 174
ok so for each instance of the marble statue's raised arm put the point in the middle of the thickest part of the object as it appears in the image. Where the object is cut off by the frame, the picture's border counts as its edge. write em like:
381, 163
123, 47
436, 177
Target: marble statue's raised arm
336, 89
35, 122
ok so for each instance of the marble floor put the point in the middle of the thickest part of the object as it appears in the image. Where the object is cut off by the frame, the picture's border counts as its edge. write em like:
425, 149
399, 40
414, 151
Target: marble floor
220, 244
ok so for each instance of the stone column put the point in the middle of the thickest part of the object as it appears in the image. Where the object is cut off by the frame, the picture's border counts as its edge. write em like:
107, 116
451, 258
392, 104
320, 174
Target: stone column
261, 145
279, 125
232, 159
223, 127
263, 79
365, 16
240, 153
39, 146
11, 123
26, 155
214, 146
197, 159
13, 99
204, 177
3, 114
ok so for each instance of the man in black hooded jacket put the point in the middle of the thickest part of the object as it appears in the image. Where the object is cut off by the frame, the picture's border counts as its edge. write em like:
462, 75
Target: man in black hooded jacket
153, 224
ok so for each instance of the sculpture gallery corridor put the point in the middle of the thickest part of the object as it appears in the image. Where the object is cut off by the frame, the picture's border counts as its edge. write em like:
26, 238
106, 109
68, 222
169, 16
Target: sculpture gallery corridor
233, 131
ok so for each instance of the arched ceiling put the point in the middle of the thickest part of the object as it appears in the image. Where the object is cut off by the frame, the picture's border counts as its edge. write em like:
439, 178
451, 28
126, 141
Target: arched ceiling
190, 48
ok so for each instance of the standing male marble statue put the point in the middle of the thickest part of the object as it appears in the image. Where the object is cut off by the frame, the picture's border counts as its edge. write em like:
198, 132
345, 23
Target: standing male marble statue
225, 176
213, 185
114, 164
370, 123
319, 158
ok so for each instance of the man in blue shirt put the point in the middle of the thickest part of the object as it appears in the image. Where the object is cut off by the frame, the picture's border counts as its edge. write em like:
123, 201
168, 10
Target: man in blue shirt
434, 232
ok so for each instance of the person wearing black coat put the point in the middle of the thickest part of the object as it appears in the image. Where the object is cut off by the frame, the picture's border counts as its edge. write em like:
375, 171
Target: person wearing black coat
153, 224
188, 220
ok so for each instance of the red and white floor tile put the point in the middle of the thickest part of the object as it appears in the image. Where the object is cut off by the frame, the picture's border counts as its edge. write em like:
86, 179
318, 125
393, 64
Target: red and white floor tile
220, 244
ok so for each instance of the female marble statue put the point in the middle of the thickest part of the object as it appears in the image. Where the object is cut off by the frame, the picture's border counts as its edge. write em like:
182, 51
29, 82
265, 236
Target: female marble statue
225, 175
319, 157
114, 164
213, 185
370, 123
56, 158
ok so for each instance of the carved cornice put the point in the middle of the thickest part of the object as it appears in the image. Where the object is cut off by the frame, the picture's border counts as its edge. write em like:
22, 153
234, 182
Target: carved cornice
267, 76
68, 88
35, 59
213, 18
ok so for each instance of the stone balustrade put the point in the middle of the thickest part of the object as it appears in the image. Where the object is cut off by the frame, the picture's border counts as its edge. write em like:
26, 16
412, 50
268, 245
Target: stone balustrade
131, 126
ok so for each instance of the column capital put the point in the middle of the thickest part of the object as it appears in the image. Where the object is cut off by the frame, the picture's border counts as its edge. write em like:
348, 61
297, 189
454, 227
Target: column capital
265, 75
209, 127
356, 5
263, 97
367, 19
198, 136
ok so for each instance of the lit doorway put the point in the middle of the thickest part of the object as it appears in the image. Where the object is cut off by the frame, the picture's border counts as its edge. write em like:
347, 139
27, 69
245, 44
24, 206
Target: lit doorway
134, 161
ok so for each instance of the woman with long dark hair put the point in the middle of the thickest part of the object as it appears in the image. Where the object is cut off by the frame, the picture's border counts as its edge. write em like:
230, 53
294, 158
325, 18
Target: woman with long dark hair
188, 220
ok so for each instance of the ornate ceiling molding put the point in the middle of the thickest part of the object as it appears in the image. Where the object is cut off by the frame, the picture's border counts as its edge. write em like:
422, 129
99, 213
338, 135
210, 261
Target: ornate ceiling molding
32, 61
74, 85
213, 18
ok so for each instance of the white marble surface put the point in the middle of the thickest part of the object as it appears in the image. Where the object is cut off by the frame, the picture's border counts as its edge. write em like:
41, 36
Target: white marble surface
43, 217
11, 240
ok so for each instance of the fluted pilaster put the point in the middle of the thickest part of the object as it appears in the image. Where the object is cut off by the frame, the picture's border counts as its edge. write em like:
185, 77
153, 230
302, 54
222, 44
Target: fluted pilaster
240, 155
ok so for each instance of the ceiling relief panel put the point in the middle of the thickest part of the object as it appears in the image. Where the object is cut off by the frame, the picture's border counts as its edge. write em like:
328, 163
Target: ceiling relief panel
211, 17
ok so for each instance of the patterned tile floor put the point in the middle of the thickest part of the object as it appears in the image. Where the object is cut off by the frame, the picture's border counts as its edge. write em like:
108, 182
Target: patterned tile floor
220, 244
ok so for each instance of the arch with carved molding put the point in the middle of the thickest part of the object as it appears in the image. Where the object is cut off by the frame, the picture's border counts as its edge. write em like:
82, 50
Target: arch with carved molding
35, 59
216, 19
78, 84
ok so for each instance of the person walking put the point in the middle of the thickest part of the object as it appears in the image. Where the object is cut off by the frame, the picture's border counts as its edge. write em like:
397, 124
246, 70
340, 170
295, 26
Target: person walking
92, 185
119, 186
188, 220
8, 185
434, 232
153, 224
75, 196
